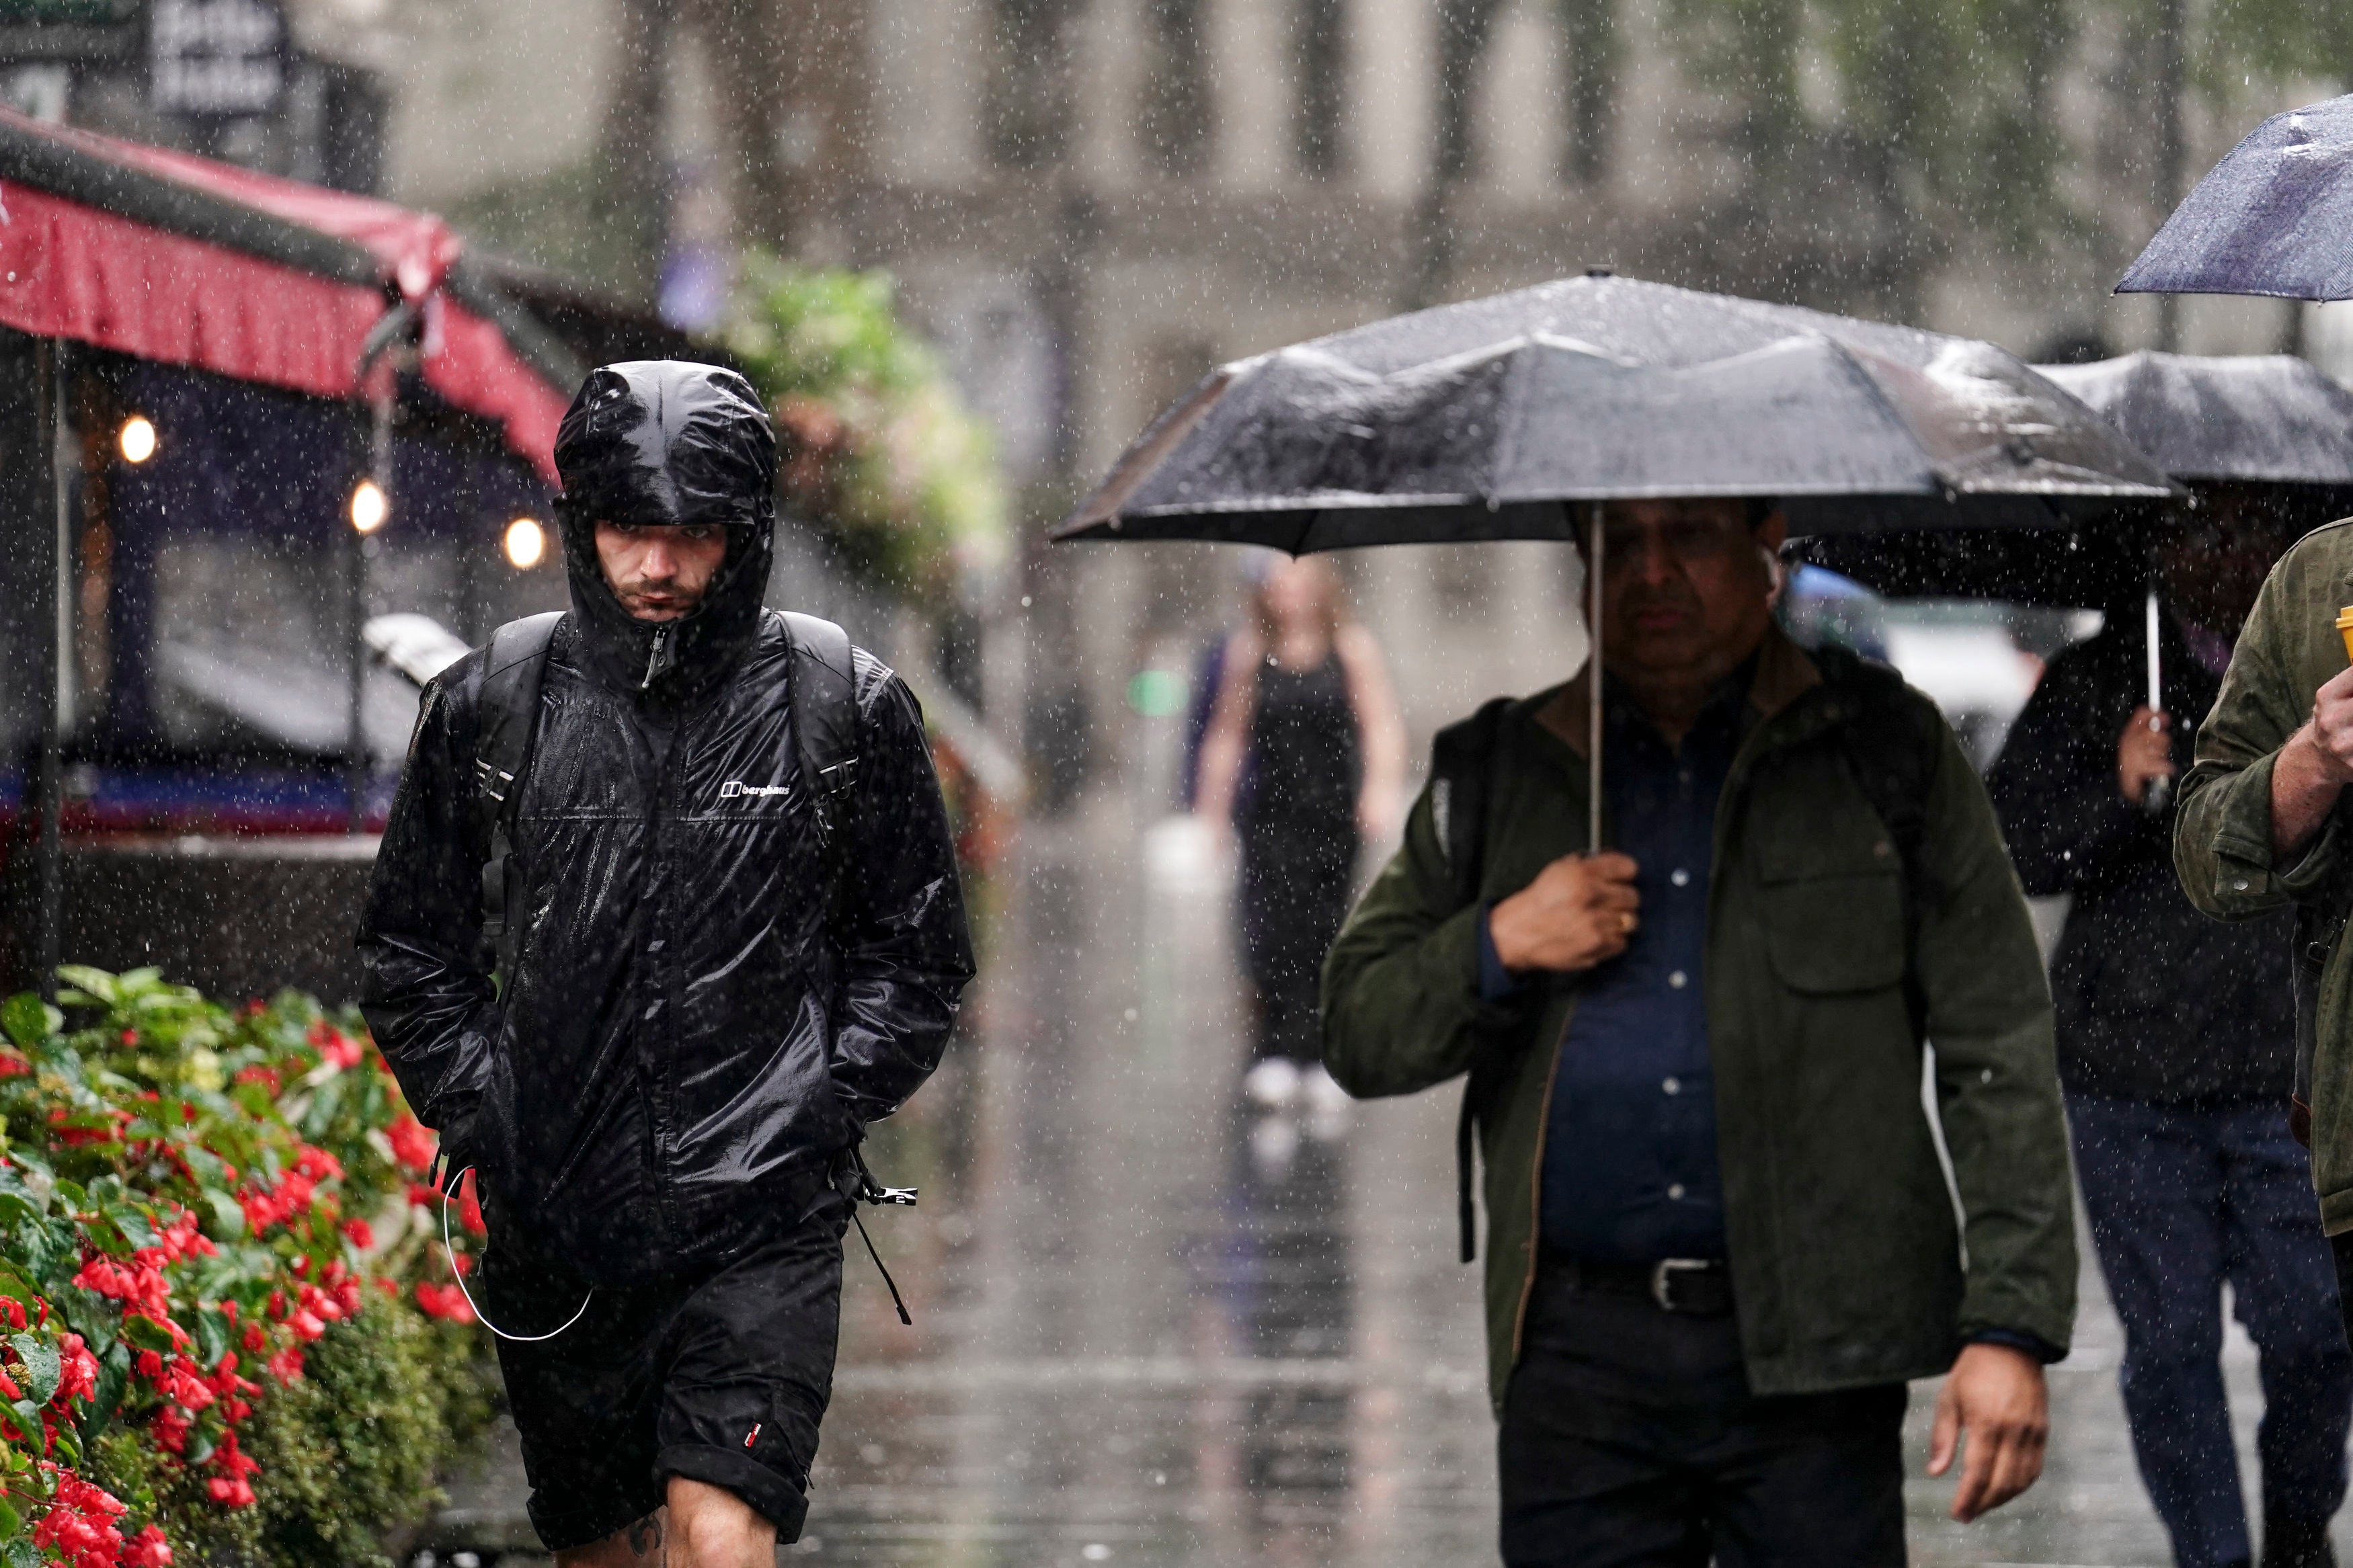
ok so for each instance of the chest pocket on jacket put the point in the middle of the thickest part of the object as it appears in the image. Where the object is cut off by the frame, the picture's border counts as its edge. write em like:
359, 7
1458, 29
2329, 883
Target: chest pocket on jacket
1830, 889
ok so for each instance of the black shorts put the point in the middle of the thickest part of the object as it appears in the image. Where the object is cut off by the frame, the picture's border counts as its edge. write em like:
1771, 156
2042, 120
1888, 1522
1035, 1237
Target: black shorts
722, 1377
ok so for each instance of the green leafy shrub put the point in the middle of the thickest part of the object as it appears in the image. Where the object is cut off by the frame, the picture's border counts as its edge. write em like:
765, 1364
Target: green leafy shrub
877, 449
233, 1333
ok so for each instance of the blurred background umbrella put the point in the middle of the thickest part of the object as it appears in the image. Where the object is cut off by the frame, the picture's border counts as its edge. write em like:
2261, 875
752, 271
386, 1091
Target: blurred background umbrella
1492, 418
2261, 440
2267, 430
2275, 217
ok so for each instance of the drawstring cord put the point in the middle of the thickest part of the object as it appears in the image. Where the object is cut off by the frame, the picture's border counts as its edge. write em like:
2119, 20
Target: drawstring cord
873, 1192
455, 1183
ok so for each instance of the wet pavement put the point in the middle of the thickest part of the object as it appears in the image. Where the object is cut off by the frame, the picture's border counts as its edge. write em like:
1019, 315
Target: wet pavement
1154, 1327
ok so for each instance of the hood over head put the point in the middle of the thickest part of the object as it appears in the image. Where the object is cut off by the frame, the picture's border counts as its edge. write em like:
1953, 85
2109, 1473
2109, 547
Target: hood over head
662, 443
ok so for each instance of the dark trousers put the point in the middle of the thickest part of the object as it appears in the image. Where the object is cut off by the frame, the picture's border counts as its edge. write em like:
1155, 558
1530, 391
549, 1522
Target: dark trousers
2181, 1199
1629, 1438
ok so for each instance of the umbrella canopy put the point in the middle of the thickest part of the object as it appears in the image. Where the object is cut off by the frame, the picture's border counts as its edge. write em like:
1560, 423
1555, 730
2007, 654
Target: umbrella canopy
2270, 420
1476, 421
2275, 217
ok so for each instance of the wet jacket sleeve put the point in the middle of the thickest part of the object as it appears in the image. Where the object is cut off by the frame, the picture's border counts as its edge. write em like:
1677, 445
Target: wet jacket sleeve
905, 951
428, 993
2223, 827
1988, 1015
2054, 787
1402, 998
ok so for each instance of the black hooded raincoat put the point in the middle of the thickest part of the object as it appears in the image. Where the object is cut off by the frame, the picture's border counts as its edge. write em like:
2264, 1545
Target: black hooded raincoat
690, 1037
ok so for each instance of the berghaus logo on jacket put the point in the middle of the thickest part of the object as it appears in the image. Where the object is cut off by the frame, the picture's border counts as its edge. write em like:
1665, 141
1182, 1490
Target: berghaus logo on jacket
734, 788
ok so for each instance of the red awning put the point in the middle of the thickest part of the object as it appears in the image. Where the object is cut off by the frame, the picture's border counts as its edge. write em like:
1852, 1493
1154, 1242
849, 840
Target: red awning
179, 259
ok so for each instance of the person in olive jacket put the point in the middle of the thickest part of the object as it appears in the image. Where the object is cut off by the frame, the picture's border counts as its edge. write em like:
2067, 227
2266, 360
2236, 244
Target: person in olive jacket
2261, 827
1719, 1240
711, 993
2176, 1047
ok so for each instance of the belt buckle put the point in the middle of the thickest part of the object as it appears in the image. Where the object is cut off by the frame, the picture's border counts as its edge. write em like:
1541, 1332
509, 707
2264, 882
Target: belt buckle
1663, 1275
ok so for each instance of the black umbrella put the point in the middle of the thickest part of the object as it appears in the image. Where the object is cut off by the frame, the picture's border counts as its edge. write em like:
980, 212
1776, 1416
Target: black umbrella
2275, 217
1485, 420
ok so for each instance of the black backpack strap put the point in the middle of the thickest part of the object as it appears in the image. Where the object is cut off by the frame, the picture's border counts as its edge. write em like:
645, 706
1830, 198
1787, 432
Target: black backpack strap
1461, 778
507, 720
825, 718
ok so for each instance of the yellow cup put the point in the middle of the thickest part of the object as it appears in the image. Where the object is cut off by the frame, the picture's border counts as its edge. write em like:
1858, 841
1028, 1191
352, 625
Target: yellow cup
2344, 629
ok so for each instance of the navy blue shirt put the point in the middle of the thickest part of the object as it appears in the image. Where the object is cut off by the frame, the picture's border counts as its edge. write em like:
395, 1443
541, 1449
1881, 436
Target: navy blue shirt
1630, 1163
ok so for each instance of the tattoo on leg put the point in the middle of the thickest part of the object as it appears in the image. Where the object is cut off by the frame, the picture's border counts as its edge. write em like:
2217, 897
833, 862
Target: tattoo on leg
646, 1536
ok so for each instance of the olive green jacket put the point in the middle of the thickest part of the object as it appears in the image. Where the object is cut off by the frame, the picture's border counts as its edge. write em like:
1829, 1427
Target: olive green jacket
1846, 1262
2222, 827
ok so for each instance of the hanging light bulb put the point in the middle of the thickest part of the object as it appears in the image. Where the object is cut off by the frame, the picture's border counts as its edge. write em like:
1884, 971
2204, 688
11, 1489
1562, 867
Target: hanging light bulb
369, 506
526, 543
136, 439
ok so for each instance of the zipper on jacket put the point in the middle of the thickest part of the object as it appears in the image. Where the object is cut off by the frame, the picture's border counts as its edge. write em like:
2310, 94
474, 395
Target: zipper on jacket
658, 659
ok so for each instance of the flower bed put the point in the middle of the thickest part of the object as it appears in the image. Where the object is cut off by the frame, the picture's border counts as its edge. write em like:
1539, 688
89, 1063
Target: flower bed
228, 1328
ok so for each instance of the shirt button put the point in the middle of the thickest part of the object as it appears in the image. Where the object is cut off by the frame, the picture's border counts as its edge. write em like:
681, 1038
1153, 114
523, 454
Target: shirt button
1673, 1086
1678, 876
1678, 980
1675, 1191
2239, 885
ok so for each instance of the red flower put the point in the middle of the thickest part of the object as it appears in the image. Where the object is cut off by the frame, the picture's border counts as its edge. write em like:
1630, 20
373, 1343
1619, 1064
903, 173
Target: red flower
447, 1302
8, 1386
148, 1548
13, 1065
412, 1146
254, 1338
422, 1196
266, 1076
183, 1384
130, 1036
286, 1366
78, 1373
79, 1525
151, 1366
470, 1206
171, 1426
361, 1234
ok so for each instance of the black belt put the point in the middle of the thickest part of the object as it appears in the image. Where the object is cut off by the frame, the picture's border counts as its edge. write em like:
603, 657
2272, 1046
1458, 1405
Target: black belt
1696, 1286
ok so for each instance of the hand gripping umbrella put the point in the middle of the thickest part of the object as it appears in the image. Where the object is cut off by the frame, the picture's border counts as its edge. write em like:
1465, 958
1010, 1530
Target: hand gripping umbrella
1505, 417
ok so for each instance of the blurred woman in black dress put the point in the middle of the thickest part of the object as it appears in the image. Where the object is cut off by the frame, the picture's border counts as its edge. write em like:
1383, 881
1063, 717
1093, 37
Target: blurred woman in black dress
1305, 756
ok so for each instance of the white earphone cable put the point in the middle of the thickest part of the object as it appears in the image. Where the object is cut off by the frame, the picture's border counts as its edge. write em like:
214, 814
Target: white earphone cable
446, 1193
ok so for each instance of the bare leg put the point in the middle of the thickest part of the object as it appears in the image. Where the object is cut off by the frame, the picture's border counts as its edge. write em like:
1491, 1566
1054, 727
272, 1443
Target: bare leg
638, 1546
711, 1527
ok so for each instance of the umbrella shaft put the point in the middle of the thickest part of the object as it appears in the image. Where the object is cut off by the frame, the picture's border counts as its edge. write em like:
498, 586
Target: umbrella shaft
1593, 576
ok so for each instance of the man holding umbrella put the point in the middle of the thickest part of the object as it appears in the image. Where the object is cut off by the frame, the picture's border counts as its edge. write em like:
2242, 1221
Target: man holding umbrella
1691, 990
1719, 1240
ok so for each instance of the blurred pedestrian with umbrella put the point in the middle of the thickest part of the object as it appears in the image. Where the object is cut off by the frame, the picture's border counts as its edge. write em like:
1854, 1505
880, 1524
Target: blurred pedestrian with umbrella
1719, 1237
1304, 697
2176, 1033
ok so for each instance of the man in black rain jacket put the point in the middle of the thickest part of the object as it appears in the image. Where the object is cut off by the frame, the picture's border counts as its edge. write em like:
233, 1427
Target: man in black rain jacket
2176, 1052
707, 1004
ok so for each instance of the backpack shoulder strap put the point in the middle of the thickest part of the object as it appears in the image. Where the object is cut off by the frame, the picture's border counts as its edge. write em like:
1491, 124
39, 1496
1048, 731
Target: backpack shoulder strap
506, 710
825, 716
1461, 768
1461, 781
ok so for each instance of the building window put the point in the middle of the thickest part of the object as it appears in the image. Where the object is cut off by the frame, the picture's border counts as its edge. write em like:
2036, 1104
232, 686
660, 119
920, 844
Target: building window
1176, 90
1029, 96
1322, 44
